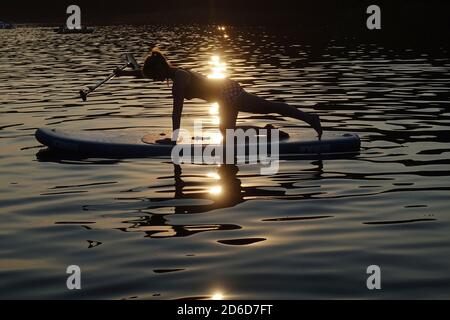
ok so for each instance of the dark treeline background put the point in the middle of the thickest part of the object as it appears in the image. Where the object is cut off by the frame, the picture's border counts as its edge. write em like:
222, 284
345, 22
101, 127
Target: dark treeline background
410, 19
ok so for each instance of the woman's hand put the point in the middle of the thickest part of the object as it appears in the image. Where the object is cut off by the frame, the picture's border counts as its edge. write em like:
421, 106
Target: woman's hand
127, 73
118, 72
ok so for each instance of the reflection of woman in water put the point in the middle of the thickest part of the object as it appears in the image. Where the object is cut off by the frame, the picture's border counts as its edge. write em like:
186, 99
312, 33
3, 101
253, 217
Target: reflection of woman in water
231, 191
188, 84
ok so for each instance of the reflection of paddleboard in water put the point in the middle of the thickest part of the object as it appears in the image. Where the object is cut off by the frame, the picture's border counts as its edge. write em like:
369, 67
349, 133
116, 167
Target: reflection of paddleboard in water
140, 143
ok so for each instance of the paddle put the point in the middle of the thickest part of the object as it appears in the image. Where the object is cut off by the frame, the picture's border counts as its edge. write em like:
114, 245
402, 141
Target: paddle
131, 62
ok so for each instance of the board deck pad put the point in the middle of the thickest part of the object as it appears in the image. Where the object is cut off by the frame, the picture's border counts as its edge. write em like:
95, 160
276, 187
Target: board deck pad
143, 143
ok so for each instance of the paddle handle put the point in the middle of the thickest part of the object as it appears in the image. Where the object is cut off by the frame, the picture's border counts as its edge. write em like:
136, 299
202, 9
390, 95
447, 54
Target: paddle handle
131, 62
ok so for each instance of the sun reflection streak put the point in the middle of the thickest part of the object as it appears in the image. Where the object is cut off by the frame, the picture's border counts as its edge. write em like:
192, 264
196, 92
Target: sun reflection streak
214, 109
218, 68
217, 296
218, 71
216, 190
216, 120
213, 175
216, 137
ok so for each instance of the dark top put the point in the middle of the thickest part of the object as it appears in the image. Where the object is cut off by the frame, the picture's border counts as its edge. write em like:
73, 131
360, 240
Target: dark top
200, 86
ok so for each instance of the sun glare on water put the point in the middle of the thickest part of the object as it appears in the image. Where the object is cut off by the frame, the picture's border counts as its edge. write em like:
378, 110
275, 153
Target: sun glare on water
215, 190
217, 296
218, 71
218, 68
214, 112
213, 175
214, 109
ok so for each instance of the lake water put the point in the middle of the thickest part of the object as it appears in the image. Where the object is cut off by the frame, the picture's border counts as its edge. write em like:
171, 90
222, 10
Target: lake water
147, 229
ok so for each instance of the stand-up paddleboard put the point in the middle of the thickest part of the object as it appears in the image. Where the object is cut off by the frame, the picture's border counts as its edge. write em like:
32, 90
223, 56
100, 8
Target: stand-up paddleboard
139, 143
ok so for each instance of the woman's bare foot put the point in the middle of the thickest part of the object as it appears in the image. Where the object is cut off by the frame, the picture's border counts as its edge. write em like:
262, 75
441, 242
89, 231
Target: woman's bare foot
315, 123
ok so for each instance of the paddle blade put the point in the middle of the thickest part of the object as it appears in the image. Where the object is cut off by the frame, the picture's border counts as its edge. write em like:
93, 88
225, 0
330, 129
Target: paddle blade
132, 61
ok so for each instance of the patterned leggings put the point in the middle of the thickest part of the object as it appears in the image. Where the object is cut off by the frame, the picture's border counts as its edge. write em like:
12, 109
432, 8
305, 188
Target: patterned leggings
248, 102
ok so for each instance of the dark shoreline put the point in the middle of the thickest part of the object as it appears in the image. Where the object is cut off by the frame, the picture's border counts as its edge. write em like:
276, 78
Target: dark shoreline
415, 22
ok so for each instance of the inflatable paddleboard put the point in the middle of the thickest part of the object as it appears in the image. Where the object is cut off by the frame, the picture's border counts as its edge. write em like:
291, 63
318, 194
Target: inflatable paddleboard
140, 143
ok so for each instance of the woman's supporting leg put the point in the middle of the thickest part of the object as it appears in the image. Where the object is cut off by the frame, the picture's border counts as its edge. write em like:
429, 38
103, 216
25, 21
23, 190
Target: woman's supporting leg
248, 102
228, 116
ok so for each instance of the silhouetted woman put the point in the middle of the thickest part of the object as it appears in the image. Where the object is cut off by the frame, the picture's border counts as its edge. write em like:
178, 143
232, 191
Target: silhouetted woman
231, 97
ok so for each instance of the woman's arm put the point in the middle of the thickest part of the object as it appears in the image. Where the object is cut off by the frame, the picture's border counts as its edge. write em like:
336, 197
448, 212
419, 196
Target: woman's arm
178, 100
128, 73
179, 83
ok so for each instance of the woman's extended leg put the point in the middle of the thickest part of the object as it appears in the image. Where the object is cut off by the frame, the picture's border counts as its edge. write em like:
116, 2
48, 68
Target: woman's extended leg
248, 102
